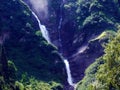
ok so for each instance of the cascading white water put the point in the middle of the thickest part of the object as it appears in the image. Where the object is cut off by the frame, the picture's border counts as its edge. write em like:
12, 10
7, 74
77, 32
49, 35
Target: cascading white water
69, 79
67, 66
45, 34
42, 28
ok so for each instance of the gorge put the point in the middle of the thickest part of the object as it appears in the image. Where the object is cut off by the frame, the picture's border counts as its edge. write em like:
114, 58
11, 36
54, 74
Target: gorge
60, 45
82, 51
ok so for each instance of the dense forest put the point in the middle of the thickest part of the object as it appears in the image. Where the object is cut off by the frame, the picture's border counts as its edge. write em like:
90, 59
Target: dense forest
60, 45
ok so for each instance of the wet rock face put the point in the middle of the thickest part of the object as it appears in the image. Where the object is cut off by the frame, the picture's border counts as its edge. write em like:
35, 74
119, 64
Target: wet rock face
81, 60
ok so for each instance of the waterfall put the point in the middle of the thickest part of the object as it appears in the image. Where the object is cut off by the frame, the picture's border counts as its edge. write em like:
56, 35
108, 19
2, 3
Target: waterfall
61, 17
45, 34
67, 66
60, 23
69, 79
42, 28
59, 26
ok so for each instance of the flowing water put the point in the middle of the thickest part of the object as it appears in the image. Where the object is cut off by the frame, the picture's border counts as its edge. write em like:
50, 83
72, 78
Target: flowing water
46, 36
67, 66
69, 79
43, 29
60, 23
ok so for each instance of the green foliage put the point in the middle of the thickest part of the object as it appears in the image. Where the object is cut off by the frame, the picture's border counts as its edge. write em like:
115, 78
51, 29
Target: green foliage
107, 34
40, 85
12, 70
104, 75
19, 86
96, 13
27, 48
90, 74
99, 19
26, 83
69, 6
38, 33
34, 84
8, 84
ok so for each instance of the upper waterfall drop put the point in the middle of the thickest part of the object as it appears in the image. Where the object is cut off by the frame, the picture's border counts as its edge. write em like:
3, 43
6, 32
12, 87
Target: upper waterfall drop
42, 28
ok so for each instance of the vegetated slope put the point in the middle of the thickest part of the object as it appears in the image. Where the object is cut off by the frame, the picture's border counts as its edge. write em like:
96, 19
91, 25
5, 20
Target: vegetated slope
25, 46
83, 22
104, 73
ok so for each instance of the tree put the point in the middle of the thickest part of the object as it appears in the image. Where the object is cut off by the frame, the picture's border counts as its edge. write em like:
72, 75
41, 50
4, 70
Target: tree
4, 64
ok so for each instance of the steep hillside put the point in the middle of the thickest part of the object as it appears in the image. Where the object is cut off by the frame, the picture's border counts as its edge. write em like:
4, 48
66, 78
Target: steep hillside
25, 46
77, 28
104, 73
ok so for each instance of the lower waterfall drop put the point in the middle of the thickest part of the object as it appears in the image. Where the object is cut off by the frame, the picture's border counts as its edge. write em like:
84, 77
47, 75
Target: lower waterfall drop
69, 79
67, 66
